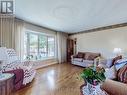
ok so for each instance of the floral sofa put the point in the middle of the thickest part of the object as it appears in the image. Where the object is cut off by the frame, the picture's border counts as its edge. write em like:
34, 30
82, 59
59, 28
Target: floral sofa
12, 62
116, 75
116, 68
84, 59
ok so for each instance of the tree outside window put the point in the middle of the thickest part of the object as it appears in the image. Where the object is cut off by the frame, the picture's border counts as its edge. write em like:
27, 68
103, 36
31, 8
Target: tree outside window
38, 46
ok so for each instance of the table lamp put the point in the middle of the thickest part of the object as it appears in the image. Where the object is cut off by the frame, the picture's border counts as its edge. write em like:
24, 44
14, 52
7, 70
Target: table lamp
2, 58
117, 51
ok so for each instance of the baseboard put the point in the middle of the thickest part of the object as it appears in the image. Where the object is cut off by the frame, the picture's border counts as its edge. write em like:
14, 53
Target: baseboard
45, 63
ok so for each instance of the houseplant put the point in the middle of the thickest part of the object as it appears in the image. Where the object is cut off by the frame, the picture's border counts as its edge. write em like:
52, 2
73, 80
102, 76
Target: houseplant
93, 76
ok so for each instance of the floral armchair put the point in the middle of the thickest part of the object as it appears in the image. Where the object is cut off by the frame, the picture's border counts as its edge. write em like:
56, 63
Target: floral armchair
13, 63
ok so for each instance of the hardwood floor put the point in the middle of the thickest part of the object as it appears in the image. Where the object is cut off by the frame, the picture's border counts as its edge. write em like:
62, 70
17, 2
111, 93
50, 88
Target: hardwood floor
59, 79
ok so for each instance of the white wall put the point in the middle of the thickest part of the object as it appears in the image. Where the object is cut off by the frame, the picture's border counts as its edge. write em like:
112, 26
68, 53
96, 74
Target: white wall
102, 41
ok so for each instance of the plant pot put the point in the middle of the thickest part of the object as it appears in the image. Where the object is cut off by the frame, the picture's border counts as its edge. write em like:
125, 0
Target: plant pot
90, 89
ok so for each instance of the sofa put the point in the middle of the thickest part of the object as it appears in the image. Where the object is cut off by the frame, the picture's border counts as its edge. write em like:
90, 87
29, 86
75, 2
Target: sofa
12, 62
84, 59
116, 75
113, 66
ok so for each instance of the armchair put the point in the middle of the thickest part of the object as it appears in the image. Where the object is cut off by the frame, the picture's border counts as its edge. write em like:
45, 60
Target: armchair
13, 63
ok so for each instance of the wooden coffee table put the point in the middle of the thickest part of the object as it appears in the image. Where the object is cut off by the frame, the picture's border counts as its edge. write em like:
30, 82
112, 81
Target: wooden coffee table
6, 84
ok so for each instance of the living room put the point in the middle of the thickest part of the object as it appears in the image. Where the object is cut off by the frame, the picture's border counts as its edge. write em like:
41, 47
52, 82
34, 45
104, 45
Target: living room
70, 47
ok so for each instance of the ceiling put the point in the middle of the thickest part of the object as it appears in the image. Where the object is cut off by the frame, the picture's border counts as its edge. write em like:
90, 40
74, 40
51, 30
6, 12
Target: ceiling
72, 16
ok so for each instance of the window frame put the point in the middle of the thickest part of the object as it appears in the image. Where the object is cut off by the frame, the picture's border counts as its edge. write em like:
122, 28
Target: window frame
28, 32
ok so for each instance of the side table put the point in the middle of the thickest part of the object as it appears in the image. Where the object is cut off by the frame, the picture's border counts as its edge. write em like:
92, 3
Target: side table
6, 84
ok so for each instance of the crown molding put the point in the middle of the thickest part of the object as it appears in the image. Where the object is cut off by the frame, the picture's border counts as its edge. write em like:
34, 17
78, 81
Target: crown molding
102, 28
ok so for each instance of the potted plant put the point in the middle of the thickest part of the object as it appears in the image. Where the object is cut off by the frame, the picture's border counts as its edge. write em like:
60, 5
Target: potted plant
93, 76
29, 57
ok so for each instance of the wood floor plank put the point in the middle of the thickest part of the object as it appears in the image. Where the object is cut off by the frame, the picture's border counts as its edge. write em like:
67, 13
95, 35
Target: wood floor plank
60, 79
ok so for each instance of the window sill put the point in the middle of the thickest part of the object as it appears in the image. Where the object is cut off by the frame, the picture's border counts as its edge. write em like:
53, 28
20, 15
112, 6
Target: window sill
43, 63
44, 59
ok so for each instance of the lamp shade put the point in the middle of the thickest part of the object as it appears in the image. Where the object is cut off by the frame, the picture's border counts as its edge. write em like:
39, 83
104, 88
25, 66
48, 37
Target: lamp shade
3, 55
117, 51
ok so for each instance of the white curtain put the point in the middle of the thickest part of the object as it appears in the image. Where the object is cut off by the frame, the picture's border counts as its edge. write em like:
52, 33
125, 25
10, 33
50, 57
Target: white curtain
7, 31
61, 47
19, 37
12, 34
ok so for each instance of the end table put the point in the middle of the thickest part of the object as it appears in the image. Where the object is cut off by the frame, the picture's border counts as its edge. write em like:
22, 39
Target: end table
6, 84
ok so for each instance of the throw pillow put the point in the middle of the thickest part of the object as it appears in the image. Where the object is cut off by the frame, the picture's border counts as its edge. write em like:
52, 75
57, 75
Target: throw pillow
116, 59
122, 60
80, 55
120, 63
78, 59
92, 57
122, 74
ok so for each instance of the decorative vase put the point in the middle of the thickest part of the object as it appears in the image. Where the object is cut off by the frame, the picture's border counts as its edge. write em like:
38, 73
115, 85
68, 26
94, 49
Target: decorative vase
90, 89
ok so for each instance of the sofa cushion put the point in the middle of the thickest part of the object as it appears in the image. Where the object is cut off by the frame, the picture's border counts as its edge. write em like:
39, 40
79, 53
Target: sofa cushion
109, 62
110, 73
75, 56
106, 63
91, 56
78, 59
88, 62
80, 55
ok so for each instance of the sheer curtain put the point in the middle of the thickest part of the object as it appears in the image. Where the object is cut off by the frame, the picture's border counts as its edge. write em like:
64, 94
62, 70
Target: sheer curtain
19, 37
61, 46
12, 34
7, 31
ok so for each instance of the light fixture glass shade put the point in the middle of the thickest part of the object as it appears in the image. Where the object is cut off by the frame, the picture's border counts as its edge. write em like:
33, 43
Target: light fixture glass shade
117, 51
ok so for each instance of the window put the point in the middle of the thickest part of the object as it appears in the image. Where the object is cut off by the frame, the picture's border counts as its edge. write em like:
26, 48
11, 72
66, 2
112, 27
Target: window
43, 46
33, 45
51, 46
38, 46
